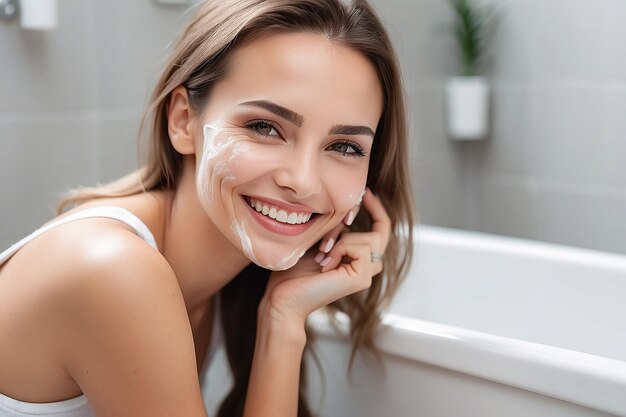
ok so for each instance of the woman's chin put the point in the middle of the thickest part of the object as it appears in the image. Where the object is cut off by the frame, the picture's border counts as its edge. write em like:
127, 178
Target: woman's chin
275, 263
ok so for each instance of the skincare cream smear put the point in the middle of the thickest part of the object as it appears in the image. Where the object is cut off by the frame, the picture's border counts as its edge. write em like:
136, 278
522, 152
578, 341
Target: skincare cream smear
220, 151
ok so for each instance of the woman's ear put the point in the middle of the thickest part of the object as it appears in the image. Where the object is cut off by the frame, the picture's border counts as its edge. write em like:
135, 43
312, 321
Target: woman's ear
181, 121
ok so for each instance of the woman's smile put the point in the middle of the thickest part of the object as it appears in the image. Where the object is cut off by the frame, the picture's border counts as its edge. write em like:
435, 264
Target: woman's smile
280, 211
284, 146
278, 220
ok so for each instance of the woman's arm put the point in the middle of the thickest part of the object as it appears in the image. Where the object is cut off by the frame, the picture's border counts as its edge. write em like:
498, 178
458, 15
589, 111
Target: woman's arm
291, 295
126, 337
275, 374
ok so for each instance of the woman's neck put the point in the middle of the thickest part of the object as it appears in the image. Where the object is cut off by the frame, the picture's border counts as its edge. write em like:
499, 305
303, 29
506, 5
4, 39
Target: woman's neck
202, 259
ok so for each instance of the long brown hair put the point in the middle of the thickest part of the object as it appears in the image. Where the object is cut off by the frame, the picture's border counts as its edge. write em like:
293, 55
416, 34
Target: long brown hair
199, 59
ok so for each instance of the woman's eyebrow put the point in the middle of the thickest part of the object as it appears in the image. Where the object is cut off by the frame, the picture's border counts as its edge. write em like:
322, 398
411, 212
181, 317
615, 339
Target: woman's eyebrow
280, 111
298, 119
351, 130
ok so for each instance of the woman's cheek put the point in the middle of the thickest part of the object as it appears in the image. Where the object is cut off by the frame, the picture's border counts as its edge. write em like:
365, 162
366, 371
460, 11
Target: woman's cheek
347, 193
219, 159
249, 161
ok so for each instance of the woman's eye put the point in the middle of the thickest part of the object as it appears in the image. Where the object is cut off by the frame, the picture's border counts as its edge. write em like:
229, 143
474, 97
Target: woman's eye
348, 149
263, 128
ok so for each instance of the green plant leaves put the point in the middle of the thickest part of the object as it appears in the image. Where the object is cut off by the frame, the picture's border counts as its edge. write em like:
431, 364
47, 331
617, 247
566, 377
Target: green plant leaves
470, 31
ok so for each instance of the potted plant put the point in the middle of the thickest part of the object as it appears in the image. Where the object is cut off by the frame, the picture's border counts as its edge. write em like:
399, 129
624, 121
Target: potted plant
468, 95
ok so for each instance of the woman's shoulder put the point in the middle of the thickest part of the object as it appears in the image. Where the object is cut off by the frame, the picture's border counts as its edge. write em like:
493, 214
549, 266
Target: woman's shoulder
85, 242
103, 244
83, 254
102, 260
89, 292
125, 328
104, 239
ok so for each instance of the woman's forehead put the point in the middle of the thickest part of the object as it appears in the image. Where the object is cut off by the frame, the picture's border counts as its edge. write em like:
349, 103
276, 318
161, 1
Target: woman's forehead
305, 70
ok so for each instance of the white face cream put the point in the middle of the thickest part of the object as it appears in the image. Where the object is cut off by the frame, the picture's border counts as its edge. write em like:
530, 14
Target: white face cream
278, 132
217, 153
220, 170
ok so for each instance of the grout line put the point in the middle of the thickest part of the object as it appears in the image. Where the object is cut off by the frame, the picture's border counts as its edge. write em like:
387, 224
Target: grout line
562, 186
92, 115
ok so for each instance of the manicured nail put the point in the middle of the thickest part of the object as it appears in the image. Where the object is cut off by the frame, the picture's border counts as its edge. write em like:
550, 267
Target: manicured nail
361, 198
326, 261
318, 258
329, 245
350, 218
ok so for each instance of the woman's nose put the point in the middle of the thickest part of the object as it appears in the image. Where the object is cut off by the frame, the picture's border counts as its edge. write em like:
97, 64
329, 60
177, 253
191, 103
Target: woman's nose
300, 172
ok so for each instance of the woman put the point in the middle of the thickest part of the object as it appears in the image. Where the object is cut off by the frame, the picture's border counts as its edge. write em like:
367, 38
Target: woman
272, 123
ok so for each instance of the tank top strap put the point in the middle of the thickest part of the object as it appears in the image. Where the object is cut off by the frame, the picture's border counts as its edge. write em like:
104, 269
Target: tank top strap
111, 212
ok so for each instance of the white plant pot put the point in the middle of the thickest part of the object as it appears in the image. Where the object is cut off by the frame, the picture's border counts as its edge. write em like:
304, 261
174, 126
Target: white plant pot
467, 107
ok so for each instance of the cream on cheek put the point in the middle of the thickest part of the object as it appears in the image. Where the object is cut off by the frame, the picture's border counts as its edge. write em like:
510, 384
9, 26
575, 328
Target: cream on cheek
213, 148
223, 150
259, 161
219, 150
349, 195
228, 159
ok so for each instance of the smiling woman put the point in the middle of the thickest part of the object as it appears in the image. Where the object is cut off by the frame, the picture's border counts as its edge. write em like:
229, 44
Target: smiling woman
272, 124
254, 147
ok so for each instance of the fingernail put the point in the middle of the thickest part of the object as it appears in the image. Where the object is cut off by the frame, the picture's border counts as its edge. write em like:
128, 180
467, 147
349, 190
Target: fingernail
361, 198
326, 261
329, 245
319, 257
350, 218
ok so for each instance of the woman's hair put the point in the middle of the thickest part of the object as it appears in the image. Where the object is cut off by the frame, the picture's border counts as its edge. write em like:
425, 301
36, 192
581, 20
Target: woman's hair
199, 59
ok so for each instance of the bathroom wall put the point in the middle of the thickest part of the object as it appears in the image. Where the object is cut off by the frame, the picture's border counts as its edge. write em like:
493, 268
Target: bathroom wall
71, 99
553, 168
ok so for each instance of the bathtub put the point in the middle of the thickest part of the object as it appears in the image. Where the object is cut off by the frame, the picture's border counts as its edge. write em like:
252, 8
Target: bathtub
484, 326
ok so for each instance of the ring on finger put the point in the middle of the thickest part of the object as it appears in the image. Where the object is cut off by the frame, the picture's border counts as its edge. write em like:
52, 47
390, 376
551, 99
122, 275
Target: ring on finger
377, 256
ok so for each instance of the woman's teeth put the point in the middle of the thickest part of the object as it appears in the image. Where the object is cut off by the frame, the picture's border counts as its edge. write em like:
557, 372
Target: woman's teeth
278, 214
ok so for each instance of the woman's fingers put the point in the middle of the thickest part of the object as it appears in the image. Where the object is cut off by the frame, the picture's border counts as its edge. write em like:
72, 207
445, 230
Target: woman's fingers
376, 240
346, 265
357, 270
329, 241
372, 239
381, 223
331, 237
350, 216
336, 256
301, 295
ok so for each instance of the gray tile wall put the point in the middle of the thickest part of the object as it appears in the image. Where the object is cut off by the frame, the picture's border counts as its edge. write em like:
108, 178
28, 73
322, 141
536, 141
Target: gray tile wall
71, 99
552, 169
554, 166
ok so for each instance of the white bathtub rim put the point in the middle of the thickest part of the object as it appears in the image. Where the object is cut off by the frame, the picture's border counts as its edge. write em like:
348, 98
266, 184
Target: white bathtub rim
497, 244
577, 377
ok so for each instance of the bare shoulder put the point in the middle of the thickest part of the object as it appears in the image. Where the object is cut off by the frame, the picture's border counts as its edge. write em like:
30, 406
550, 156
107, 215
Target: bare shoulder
111, 257
124, 330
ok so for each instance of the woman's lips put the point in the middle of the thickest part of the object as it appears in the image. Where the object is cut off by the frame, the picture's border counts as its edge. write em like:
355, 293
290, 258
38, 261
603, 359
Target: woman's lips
275, 226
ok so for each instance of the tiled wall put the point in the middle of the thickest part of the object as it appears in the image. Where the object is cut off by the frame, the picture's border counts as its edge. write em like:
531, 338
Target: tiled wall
71, 99
554, 167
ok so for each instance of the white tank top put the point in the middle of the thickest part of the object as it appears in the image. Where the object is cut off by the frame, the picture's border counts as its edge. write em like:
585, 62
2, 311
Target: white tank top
78, 406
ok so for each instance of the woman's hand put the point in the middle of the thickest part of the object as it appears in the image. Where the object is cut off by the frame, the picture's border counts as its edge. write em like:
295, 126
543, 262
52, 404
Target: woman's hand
346, 268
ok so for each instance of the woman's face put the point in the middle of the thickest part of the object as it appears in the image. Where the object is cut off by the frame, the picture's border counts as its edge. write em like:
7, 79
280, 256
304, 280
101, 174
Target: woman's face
290, 131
